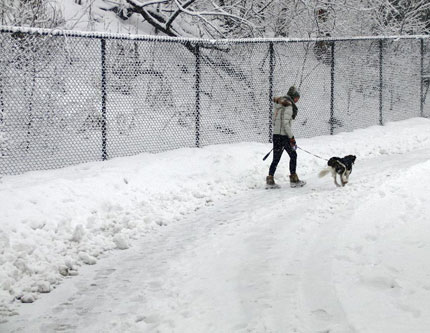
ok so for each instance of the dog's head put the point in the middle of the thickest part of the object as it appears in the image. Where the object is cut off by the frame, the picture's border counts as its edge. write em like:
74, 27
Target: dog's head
348, 160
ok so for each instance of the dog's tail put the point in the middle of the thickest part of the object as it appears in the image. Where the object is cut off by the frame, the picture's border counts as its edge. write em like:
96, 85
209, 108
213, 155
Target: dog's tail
324, 172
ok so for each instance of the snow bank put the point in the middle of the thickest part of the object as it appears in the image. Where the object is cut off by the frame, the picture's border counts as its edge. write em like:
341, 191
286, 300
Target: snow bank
53, 222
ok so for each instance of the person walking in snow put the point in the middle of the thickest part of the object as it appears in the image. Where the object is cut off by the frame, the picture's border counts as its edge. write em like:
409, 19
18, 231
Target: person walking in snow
285, 110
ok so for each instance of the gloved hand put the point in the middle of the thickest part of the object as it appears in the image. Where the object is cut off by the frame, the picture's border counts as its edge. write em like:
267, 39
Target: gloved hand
293, 143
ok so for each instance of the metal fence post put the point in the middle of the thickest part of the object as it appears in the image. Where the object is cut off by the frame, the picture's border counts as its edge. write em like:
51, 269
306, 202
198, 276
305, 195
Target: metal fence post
422, 79
381, 80
271, 70
197, 54
332, 90
104, 118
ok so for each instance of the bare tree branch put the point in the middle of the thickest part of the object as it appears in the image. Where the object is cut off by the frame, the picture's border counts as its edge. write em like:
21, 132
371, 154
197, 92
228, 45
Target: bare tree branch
176, 14
137, 7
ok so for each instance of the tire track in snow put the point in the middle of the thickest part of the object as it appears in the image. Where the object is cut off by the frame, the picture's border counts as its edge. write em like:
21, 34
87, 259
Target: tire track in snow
227, 268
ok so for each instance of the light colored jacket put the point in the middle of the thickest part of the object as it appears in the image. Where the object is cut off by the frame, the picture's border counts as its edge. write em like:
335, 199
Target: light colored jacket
283, 116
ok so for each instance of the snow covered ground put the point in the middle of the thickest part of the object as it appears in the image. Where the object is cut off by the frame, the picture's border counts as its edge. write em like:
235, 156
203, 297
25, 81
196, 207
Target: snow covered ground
190, 241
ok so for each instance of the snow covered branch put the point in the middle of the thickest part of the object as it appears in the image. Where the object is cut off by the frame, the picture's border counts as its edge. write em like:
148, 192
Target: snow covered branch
30, 13
208, 16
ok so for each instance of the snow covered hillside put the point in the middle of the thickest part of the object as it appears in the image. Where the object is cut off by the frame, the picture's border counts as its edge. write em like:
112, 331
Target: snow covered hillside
89, 16
100, 15
205, 248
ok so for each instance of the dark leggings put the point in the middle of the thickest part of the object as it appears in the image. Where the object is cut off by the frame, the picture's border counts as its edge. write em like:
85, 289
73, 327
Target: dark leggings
281, 142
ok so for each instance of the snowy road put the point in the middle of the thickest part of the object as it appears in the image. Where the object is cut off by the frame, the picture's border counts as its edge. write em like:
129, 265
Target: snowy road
288, 260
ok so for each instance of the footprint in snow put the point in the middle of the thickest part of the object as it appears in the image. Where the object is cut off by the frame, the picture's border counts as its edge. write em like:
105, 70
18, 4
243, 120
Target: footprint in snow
379, 282
321, 314
415, 312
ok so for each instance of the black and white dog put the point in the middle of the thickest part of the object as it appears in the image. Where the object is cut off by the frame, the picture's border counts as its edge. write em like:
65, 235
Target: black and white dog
339, 166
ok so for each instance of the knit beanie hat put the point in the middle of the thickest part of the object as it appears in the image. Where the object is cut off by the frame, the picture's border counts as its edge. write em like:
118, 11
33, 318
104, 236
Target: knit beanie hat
293, 93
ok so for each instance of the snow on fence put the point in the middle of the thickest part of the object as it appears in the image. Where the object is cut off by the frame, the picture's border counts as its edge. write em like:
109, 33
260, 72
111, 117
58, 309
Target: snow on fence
69, 97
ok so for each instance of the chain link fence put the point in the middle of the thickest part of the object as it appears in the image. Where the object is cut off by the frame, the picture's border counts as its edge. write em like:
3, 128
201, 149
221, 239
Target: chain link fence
68, 98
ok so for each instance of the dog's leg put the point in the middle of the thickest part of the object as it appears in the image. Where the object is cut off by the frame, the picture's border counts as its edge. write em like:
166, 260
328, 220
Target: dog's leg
333, 173
341, 176
342, 180
335, 180
344, 177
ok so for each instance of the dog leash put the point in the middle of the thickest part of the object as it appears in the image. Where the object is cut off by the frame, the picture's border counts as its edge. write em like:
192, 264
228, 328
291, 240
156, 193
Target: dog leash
267, 155
312, 153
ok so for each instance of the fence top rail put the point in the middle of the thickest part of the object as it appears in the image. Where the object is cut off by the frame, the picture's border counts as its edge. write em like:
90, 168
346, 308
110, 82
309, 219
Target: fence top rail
106, 35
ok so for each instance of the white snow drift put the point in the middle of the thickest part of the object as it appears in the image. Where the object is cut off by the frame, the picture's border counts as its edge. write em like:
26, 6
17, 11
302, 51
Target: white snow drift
321, 258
